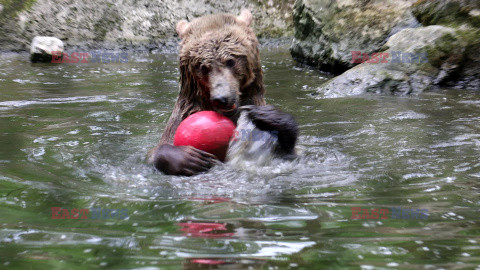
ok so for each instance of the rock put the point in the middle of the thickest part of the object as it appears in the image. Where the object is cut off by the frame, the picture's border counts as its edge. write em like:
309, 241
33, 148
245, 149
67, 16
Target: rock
43, 48
433, 55
451, 50
327, 31
464, 15
128, 23
448, 12
467, 76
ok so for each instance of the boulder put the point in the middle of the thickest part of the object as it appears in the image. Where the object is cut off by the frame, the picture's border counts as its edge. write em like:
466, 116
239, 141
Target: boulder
464, 16
448, 12
417, 59
327, 31
112, 24
43, 48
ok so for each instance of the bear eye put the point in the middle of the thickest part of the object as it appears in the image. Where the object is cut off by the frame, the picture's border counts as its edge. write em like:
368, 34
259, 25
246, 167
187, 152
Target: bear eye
230, 63
204, 70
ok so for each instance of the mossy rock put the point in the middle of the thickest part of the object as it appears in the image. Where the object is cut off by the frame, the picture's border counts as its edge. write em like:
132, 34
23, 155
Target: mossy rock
453, 13
452, 61
12, 7
327, 31
114, 24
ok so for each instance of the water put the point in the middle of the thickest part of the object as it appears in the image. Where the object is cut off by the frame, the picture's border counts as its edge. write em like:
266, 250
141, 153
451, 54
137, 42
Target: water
76, 135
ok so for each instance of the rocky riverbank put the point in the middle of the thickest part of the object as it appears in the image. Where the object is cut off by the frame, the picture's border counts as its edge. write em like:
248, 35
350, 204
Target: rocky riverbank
389, 46
125, 24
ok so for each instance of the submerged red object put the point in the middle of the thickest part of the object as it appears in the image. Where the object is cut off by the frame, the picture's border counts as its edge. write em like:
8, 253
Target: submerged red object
206, 130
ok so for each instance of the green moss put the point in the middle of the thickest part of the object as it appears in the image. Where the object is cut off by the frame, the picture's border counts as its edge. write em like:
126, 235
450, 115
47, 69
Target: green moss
359, 21
418, 3
449, 13
447, 47
472, 37
273, 32
110, 20
12, 7
10, 10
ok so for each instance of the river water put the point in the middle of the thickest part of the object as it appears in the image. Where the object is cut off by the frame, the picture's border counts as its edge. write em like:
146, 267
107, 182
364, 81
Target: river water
74, 136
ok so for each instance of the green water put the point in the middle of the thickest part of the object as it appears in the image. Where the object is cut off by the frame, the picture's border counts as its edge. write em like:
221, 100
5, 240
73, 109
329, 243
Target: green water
75, 136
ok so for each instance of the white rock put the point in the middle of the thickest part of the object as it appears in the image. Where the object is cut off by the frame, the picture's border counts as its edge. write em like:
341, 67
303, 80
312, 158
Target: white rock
42, 48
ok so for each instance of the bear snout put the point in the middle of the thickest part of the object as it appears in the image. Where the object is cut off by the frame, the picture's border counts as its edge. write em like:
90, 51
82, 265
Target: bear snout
220, 102
224, 104
223, 95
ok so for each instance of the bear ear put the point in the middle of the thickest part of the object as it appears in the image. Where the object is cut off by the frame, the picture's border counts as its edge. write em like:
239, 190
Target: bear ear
182, 27
245, 17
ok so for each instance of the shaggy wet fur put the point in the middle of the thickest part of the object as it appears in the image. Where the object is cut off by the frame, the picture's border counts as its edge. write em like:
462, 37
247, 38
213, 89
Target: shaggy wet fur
205, 40
208, 43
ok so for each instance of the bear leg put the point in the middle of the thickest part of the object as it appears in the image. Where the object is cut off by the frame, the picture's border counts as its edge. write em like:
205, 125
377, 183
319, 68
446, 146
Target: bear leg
268, 118
182, 160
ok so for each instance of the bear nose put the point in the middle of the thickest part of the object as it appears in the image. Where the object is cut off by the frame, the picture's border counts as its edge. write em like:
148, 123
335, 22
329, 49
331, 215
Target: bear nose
220, 101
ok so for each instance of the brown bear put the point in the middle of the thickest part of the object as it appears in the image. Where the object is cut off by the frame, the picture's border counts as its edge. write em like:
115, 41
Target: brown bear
220, 70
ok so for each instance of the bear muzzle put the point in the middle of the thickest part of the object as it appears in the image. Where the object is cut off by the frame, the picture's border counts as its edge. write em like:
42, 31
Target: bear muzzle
224, 97
224, 105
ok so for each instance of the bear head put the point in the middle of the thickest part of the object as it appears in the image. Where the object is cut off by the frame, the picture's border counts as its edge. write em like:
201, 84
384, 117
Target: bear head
220, 67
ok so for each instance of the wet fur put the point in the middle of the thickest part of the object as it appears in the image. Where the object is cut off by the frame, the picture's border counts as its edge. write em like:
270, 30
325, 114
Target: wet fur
192, 98
204, 41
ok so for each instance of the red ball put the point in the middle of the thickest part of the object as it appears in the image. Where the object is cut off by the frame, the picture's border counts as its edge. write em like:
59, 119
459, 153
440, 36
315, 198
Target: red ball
206, 130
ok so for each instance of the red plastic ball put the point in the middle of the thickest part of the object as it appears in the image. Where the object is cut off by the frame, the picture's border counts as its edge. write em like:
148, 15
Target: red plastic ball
206, 130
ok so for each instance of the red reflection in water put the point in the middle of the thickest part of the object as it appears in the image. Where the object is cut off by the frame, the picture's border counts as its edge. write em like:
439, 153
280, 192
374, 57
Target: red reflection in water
203, 229
207, 261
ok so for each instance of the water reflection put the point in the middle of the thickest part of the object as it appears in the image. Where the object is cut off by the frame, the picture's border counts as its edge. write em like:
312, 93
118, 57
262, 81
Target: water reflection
75, 136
